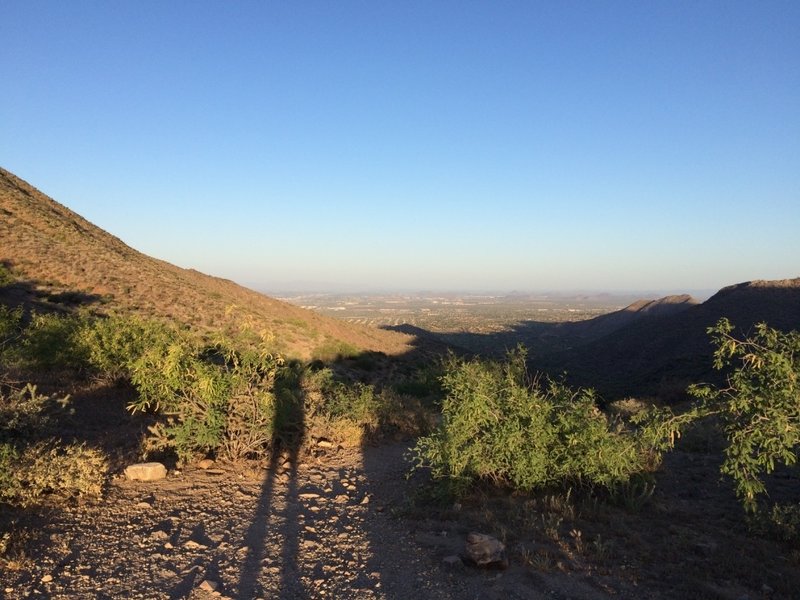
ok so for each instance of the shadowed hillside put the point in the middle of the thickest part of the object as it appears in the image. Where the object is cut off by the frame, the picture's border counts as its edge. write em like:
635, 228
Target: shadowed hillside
57, 255
665, 353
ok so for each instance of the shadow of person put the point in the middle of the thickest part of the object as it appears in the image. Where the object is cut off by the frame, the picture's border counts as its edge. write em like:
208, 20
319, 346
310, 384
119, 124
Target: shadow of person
275, 517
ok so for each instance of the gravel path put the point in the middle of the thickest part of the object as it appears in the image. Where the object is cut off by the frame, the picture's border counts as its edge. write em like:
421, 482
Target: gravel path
319, 527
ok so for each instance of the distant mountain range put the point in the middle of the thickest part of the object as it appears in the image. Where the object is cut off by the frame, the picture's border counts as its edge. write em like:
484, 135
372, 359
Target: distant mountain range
659, 347
60, 259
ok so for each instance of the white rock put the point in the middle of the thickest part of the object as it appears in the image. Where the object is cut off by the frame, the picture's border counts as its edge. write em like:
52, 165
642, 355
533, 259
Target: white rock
152, 471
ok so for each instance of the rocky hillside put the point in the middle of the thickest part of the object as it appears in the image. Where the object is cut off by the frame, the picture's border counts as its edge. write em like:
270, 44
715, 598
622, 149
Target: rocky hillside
58, 258
664, 353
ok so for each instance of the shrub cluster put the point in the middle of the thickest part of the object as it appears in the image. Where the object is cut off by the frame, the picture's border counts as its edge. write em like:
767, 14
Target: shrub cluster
34, 465
501, 424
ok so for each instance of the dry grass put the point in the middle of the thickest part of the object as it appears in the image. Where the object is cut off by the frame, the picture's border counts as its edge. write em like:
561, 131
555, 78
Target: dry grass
53, 250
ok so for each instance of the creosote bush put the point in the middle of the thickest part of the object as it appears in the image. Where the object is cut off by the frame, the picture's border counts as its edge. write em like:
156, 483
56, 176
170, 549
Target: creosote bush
502, 425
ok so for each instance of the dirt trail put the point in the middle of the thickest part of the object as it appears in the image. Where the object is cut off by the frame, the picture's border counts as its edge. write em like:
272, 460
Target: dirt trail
341, 525
324, 528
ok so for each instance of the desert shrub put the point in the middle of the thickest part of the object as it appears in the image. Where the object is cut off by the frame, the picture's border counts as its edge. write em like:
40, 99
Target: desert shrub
6, 276
10, 328
47, 470
215, 399
114, 344
333, 350
424, 384
340, 411
34, 465
51, 340
758, 410
502, 425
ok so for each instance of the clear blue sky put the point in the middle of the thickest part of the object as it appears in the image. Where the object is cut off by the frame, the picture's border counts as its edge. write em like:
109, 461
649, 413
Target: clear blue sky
422, 145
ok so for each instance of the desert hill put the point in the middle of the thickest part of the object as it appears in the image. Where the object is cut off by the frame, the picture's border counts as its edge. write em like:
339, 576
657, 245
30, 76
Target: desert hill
664, 353
592, 329
58, 256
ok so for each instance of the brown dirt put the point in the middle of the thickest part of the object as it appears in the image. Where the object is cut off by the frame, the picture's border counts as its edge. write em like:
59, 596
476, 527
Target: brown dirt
347, 524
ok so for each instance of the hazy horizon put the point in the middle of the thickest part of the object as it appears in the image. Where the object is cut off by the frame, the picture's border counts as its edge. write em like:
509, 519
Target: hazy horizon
448, 146
323, 288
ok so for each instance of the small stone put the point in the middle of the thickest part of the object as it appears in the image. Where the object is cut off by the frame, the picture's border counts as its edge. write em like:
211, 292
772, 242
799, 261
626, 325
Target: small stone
168, 546
144, 505
308, 496
46, 579
323, 443
365, 500
152, 471
193, 545
485, 551
341, 499
206, 463
209, 585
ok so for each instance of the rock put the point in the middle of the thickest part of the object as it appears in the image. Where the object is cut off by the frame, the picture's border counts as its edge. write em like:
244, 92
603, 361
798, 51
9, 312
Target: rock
209, 585
365, 500
323, 443
453, 562
152, 471
486, 551
46, 579
206, 463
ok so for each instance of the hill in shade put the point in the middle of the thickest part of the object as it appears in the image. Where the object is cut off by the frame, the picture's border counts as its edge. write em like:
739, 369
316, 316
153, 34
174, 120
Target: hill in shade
664, 353
60, 258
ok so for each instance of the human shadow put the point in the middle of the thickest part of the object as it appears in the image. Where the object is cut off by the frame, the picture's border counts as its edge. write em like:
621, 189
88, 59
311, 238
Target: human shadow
277, 509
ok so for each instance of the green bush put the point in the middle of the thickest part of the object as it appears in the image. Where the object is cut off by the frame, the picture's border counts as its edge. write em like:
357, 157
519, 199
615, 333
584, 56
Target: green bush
113, 344
52, 341
6, 276
500, 424
214, 399
759, 408
10, 328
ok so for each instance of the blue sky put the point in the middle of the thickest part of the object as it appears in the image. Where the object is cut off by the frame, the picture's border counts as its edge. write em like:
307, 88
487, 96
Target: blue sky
419, 145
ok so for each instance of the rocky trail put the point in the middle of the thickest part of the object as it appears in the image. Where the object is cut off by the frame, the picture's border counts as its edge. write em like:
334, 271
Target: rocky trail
344, 524
325, 527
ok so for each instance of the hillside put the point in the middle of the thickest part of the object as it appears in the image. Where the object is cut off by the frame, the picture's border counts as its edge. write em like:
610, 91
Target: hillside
664, 353
59, 256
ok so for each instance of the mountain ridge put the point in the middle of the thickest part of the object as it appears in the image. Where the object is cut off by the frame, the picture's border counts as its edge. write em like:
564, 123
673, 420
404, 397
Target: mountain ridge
661, 355
53, 249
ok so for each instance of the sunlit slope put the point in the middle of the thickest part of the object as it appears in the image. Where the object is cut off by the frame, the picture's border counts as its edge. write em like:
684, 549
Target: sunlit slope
52, 248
